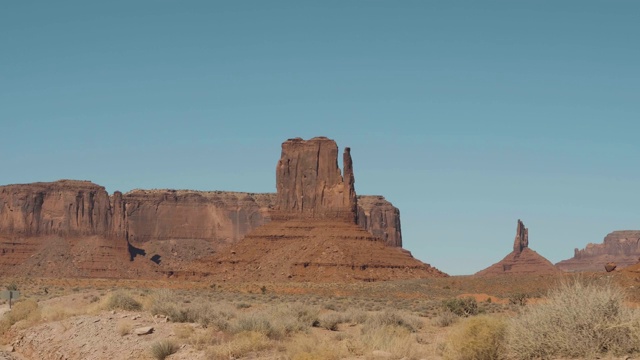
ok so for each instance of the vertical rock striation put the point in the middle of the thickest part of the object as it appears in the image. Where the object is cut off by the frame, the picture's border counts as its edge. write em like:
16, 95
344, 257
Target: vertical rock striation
313, 234
522, 260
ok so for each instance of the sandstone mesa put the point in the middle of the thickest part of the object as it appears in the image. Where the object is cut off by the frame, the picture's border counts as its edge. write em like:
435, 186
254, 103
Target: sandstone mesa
72, 228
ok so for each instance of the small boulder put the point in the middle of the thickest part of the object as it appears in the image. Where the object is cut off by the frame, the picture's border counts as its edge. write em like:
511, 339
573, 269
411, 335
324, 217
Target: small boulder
143, 330
610, 266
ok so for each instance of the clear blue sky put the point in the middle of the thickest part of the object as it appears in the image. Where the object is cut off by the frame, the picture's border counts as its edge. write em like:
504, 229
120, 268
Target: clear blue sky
467, 115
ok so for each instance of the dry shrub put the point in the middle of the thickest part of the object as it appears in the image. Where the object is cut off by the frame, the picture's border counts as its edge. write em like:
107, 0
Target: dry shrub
310, 348
24, 310
183, 331
56, 313
580, 319
122, 301
200, 311
163, 348
398, 341
355, 316
277, 322
124, 327
393, 318
467, 306
445, 318
202, 338
477, 338
331, 321
242, 344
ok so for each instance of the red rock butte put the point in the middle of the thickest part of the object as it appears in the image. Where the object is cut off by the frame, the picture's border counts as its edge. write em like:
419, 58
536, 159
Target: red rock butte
522, 260
620, 247
314, 233
72, 228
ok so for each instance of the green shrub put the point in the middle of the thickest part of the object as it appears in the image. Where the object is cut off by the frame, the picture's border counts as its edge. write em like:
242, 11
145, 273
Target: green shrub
163, 348
467, 306
477, 338
579, 320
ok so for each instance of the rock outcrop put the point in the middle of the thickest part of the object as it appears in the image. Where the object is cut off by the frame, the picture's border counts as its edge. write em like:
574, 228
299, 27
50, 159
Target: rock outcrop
522, 260
74, 228
621, 247
65, 208
63, 228
380, 218
313, 234
310, 184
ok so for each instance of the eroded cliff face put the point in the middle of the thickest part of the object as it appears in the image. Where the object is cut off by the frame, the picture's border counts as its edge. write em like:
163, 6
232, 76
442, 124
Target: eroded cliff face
74, 228
621, 247
65, 207
62, 228
216, 216
314, 235
380, 218
309, 182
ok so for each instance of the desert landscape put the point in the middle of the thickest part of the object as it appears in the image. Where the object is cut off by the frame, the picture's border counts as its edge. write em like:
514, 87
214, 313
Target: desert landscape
319, 180
314, 271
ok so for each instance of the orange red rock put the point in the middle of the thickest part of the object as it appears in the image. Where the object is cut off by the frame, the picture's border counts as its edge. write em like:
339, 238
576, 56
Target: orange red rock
522, 260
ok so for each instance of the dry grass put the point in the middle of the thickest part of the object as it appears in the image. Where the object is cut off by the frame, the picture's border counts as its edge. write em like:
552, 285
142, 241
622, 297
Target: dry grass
162, 349
124, 327
26, 311
477, 338
121, 300
579, 320
240, 345
311, 348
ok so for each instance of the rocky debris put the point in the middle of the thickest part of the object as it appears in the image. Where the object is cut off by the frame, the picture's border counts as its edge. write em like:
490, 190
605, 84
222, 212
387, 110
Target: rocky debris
522, 260
610, 266
313, 236
621, 247
145, 330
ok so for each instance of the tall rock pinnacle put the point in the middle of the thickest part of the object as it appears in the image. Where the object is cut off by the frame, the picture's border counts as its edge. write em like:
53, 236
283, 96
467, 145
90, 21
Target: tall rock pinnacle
309, 181
522, 238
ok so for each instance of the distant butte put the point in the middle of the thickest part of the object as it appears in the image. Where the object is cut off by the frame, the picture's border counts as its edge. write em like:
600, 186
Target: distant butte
619, 247
522, 260
314, 233
71, 228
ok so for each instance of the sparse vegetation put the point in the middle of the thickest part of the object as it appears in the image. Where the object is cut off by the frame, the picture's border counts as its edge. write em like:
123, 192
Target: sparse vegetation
23, 310
445, 318
579, 320
519, 299
122, 301
163, 348
477, 338
124, 327
467, 306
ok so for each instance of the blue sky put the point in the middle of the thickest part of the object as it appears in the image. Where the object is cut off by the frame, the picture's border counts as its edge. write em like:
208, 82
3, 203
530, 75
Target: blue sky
467, 115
